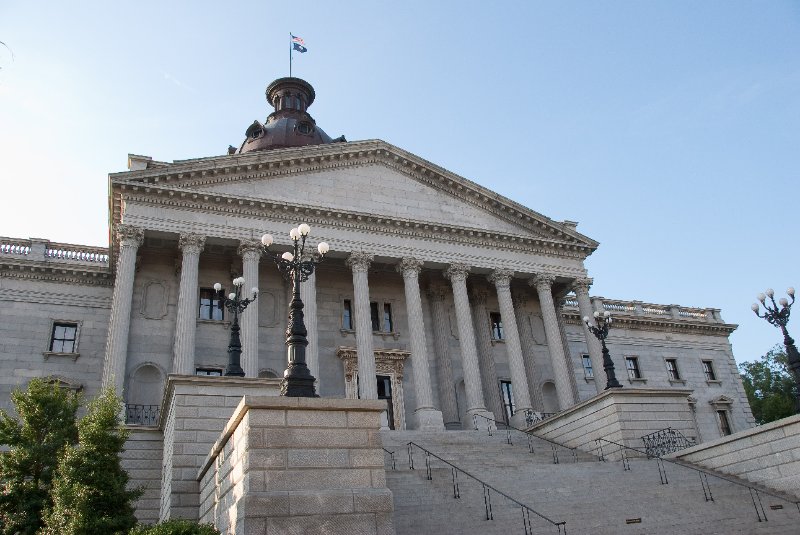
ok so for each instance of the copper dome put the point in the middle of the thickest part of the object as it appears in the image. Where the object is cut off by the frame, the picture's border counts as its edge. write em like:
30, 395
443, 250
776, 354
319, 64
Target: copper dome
289, 125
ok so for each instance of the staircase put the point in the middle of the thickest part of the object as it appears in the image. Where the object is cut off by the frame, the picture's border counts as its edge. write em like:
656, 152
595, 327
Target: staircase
590, 496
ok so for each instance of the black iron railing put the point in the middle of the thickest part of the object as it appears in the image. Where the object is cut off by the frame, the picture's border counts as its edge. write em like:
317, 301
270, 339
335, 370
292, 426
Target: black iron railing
755, 493
141, 414
391, 458
487, 491
665, 441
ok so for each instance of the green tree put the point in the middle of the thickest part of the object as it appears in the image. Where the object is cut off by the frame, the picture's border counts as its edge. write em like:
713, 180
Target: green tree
176, 527
35, 439
90, 494
769, 386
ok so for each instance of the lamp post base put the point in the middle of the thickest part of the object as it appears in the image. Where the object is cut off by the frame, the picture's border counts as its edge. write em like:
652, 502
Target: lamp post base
298, 387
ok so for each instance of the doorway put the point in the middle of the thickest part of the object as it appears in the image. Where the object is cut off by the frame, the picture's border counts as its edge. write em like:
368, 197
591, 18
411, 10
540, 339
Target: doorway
385, 392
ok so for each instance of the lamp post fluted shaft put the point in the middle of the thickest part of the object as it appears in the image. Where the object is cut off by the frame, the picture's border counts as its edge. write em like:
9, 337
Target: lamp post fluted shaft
236, 305
778, 315
600, 331
296, 266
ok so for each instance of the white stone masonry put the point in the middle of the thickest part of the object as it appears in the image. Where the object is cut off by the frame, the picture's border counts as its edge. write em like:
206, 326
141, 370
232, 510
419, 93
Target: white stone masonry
250, 251
186, 321
359, 262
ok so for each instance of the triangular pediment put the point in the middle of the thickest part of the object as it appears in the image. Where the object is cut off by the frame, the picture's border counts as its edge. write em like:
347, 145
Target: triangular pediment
366, 178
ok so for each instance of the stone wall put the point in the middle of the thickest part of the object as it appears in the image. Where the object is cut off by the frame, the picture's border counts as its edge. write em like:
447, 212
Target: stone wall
142, 459
768, 454
619, 415
298, 465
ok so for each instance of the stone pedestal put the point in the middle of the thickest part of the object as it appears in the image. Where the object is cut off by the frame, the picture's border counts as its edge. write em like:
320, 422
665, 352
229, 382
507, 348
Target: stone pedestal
298, 465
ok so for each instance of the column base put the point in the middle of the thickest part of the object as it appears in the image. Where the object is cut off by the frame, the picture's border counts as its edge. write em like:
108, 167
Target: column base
428, 420
518, 420
481, 417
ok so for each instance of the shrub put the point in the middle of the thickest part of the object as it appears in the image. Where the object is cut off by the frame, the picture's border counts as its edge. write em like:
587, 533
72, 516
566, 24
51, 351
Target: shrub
176, 527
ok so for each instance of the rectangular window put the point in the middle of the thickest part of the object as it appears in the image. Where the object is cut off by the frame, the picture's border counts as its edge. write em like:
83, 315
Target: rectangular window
672, 369
587, 367
508, 399
708, 370
632, 364
347, 315
215, 372
63, 337
496, 322
373, 313
724, 424
210, 306
387, 318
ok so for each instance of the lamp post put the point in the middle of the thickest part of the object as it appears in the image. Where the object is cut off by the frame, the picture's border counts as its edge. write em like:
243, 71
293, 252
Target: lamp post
297, 379
779, 317
599, 329
235, 304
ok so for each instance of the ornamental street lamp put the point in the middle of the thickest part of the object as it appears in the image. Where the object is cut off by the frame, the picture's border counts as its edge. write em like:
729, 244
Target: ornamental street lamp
780, 318
297, 379
600, 331
235, 304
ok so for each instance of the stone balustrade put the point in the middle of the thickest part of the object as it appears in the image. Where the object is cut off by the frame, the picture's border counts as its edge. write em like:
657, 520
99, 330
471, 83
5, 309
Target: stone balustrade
637, 308
46, 250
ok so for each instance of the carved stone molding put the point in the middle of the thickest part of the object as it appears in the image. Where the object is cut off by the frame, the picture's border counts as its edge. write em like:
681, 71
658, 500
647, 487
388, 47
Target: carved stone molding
191, 243
389, 362
359, 261
129, 236
249, 249
542, 281
456, 272
409, 266
501, 278
582, 284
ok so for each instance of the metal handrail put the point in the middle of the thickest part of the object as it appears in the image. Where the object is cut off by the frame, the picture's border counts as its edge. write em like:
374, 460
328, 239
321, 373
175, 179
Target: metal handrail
487, 488
391, 455
704, 473
553, 444
665, 440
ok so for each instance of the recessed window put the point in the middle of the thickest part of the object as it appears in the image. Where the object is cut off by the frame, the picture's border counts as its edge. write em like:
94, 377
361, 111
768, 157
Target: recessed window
347, 315
213, 372
373, 314
724, 423
507, 392
632, 365
496, 323
387, 318
588, 372
210, 305
256, 133
672, 369
304, 128
63, 337
708, 370
381, 317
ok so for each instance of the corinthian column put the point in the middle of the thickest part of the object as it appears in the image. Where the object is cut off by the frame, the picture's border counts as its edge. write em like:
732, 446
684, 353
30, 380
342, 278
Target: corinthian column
457, 273
527, 342
367, 385
543, 285
308, 293
186, 319
483, 343
250, 251
519, 382
119, 323
427, 417
581, 287
444, 368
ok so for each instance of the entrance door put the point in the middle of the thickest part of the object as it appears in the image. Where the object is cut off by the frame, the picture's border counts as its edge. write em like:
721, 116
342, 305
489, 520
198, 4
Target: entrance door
385, 392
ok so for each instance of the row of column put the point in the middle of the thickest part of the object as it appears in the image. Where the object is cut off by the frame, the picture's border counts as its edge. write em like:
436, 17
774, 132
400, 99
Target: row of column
475, 364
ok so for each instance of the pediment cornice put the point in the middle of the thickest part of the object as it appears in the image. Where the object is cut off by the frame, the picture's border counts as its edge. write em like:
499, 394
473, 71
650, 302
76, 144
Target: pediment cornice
193, 175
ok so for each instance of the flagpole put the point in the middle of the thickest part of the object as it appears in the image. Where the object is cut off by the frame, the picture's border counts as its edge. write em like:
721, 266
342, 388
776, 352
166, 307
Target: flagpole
290, 54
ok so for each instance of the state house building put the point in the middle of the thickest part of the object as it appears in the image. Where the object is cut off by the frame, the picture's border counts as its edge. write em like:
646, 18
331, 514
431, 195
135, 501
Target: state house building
438, 295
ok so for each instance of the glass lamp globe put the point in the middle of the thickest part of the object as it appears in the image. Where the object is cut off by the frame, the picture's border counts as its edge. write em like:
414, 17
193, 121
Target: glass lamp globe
304, 229
323, 248
266, 240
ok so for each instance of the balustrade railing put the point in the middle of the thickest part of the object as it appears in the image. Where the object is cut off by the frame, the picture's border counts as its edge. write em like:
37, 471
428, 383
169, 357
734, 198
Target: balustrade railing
15, 247
141, 414
703, 474
665, 441
67, 252
488, 489
638, 308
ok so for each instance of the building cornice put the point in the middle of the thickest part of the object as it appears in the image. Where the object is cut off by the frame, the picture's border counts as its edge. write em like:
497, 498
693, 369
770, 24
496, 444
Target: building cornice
60, 273
687, 326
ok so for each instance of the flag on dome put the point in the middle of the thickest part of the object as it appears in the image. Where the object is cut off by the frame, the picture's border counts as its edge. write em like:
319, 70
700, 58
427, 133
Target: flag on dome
298, 44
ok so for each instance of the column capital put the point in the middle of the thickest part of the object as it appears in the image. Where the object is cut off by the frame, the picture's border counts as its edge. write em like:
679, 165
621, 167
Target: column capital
582, 284
457, 272
409, 266
250, 248
359, 261
542, 281
129, 236
501, 278
191, 243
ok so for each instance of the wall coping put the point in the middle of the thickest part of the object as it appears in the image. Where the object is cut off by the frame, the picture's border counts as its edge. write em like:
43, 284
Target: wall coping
784, 422
249, 402
610, 393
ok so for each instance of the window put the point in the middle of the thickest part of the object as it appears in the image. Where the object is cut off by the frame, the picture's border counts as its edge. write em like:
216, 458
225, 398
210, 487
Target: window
347, 315
672, 369
381, 322
214, 372
708, 370
507, 394
724, 424
587, 367
373, 312
210, 306
63, 337
496, 322
387, 317
304, 128
632, 364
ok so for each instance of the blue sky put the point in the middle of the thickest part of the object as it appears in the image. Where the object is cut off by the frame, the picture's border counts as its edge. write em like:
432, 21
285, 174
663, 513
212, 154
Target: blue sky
668, 130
